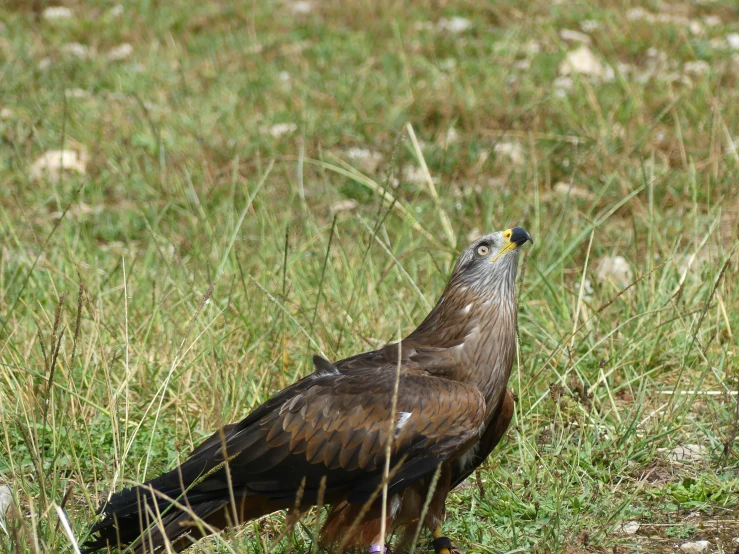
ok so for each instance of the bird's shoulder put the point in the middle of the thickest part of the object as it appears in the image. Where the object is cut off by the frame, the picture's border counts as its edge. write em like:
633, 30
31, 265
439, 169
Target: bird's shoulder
413, 357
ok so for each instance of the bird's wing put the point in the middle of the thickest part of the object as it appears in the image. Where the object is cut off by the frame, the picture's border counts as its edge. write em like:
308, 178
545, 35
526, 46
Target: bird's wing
335, 426
494, 431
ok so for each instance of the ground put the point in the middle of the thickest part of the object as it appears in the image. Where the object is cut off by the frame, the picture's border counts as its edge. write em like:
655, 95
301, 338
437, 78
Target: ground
245, 184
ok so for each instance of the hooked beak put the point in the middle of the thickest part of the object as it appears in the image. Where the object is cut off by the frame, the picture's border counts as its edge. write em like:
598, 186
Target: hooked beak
517, 236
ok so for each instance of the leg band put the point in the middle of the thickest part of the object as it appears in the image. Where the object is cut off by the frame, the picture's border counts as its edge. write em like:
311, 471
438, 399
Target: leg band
378, 548
442, 542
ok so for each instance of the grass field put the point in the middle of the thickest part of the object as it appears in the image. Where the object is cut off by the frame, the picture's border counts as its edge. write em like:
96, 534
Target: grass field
247, 188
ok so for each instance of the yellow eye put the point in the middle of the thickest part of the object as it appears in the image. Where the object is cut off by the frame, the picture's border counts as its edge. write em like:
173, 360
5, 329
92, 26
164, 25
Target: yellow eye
483, 250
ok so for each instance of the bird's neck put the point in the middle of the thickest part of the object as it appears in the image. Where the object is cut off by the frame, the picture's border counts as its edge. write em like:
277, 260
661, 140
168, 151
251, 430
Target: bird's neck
478, 328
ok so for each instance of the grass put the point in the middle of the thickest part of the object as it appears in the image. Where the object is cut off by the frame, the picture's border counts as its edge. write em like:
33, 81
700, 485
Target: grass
196, 265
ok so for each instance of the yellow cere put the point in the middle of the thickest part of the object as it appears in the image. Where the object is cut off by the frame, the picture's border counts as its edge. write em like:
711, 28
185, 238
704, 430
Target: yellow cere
506, 247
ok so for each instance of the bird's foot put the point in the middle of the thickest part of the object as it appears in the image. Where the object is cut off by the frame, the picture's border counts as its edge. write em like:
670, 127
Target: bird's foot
443, 545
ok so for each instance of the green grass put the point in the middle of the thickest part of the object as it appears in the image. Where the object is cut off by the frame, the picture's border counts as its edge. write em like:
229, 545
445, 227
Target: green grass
187, 189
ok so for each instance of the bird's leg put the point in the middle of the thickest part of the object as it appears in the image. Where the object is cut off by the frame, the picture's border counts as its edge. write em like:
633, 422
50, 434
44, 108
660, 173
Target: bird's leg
377, 546
435, 515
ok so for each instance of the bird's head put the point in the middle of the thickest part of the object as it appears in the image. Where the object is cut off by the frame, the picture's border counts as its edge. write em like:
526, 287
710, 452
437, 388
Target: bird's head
491, 260
482, 281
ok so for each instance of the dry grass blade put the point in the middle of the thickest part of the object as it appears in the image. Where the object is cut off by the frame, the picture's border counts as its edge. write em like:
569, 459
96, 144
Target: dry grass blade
425, 509
281, 306
252, 196
698, 325
731, 439
390, 436
162, 390
78, 320
367, 505
400, 267
319, 510
445, 223
67, 528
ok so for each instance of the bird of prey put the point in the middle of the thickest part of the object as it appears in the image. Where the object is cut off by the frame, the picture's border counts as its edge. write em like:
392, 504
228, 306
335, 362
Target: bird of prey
437, 399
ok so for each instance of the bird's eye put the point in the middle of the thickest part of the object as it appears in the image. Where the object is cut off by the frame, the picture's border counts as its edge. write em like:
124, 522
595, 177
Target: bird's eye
483, 250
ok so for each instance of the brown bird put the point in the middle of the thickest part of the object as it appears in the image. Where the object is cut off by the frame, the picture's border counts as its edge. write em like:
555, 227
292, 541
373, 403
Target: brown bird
438, 397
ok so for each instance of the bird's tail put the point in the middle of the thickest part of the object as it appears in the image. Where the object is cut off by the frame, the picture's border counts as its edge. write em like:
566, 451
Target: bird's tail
149, 515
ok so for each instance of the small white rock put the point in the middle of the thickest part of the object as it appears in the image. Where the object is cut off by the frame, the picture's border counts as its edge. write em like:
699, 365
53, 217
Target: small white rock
618, 131
116, 11
448, 64
636, 14
454, 24
76, 93
6, 113
120, 52
254, 49
694, 547
562, 86
6, 501
712, 20
56, 13
76, 50
532, 47
629, 528
302, 7
413, 174
616, 270
496, 183
279, 129
54, 162
366, 159
587, 293
700, 67
284, 78
567, 189
733, 40
686, 453
511, 150
451, 136
574, 36
44, 64
344, 206
584, 62
589, 25
696, 27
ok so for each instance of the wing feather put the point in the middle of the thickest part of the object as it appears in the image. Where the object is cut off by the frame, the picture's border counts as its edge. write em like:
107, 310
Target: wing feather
337, 425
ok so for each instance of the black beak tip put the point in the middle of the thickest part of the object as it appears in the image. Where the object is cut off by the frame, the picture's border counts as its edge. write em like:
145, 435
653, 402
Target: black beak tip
519, 236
